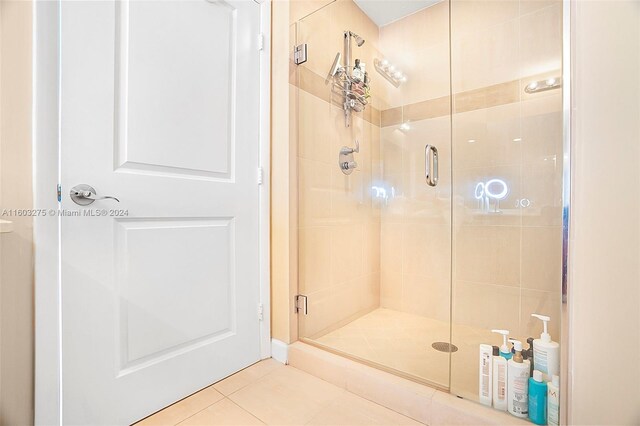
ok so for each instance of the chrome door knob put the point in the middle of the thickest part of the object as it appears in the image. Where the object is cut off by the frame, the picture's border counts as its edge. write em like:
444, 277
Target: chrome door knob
83, 195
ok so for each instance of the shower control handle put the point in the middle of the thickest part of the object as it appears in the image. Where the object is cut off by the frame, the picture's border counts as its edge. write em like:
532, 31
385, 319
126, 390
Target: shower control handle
346, 150
431, 165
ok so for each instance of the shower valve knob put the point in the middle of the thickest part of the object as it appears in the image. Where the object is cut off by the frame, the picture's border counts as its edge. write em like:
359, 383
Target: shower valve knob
349, 165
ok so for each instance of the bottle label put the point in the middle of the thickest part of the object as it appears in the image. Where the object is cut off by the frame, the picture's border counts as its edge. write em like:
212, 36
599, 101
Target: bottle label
553, 415
540, 360
520, 393
502, 382
486, 363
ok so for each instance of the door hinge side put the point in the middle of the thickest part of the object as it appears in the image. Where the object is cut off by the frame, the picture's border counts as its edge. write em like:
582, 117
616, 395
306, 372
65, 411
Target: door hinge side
260, 312
301, 304
300, 54
260, 175
260, 41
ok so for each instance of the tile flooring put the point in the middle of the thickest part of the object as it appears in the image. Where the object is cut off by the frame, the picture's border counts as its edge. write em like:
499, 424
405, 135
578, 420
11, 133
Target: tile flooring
274, 394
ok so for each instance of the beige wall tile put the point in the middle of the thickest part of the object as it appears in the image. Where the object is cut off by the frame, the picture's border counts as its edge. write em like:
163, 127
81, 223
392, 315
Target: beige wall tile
488, 255
427, 296
431, 108
371, 247
486, 97
389, 117
315, 260
346, 253
314, 180
541, 40
425, 251
488, 137
314, 134
486, 306
471, 16
487, 57
301, 8
542, 186
542, 258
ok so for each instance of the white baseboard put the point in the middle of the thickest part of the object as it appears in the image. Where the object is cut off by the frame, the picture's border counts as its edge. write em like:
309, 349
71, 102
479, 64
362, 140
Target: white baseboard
279, 351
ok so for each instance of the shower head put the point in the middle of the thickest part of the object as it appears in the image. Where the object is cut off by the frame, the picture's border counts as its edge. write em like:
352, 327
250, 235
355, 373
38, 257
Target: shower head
359, 40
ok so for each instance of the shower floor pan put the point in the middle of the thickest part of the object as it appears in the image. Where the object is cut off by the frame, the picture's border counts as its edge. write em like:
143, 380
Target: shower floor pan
403, 342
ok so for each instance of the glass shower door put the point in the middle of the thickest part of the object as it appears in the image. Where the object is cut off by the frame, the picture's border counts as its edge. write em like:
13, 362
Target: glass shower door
374, 237
507, 175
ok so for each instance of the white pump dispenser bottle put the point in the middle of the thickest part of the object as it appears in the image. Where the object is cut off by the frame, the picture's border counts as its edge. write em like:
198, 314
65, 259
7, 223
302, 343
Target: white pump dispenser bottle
546, 353
504, 349
518, 383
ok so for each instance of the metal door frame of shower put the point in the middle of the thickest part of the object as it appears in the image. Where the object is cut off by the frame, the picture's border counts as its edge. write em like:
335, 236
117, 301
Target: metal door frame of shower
46, 123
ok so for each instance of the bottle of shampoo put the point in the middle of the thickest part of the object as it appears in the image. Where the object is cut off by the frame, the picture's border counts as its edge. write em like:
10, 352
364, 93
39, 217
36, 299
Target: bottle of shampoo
504, 349
553, 401
525, 357
546, 353
499, 381
537, 399
518, 384
486, 374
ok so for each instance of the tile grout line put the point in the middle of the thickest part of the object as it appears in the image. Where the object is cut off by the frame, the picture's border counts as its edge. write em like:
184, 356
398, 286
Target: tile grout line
245, 410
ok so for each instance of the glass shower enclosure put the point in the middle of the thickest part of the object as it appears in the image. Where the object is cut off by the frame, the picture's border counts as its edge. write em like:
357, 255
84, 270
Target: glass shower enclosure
429, 150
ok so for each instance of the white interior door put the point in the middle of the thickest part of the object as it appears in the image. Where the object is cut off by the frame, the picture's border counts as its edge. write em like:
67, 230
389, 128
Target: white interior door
159, 108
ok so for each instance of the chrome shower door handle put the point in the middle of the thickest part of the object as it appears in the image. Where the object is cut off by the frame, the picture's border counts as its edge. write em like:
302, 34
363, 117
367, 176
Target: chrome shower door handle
431, 165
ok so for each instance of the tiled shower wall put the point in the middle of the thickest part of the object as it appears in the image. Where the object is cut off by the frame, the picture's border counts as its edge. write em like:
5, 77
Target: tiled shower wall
359, 251
338, 220
507, 263
416, 219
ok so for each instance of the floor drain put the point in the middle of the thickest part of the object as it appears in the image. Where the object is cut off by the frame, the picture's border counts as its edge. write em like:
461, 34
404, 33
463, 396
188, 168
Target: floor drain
444, 347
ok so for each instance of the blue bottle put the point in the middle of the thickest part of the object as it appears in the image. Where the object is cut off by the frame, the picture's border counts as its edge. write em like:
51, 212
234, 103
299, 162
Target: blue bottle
537, 399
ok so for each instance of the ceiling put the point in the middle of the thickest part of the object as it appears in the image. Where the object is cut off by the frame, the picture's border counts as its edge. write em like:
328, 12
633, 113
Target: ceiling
383, 12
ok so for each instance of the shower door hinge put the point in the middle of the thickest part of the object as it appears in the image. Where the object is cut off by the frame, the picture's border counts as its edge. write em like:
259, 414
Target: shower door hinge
301, 304
300, 54
260, 41
260, 175
260, 312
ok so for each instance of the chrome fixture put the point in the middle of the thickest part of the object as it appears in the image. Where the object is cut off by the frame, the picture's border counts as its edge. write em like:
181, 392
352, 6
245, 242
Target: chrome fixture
300, 54
359, 40
83, 195
431, 165
345, 159
389, 72
351, 86
544, 85
301, 304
